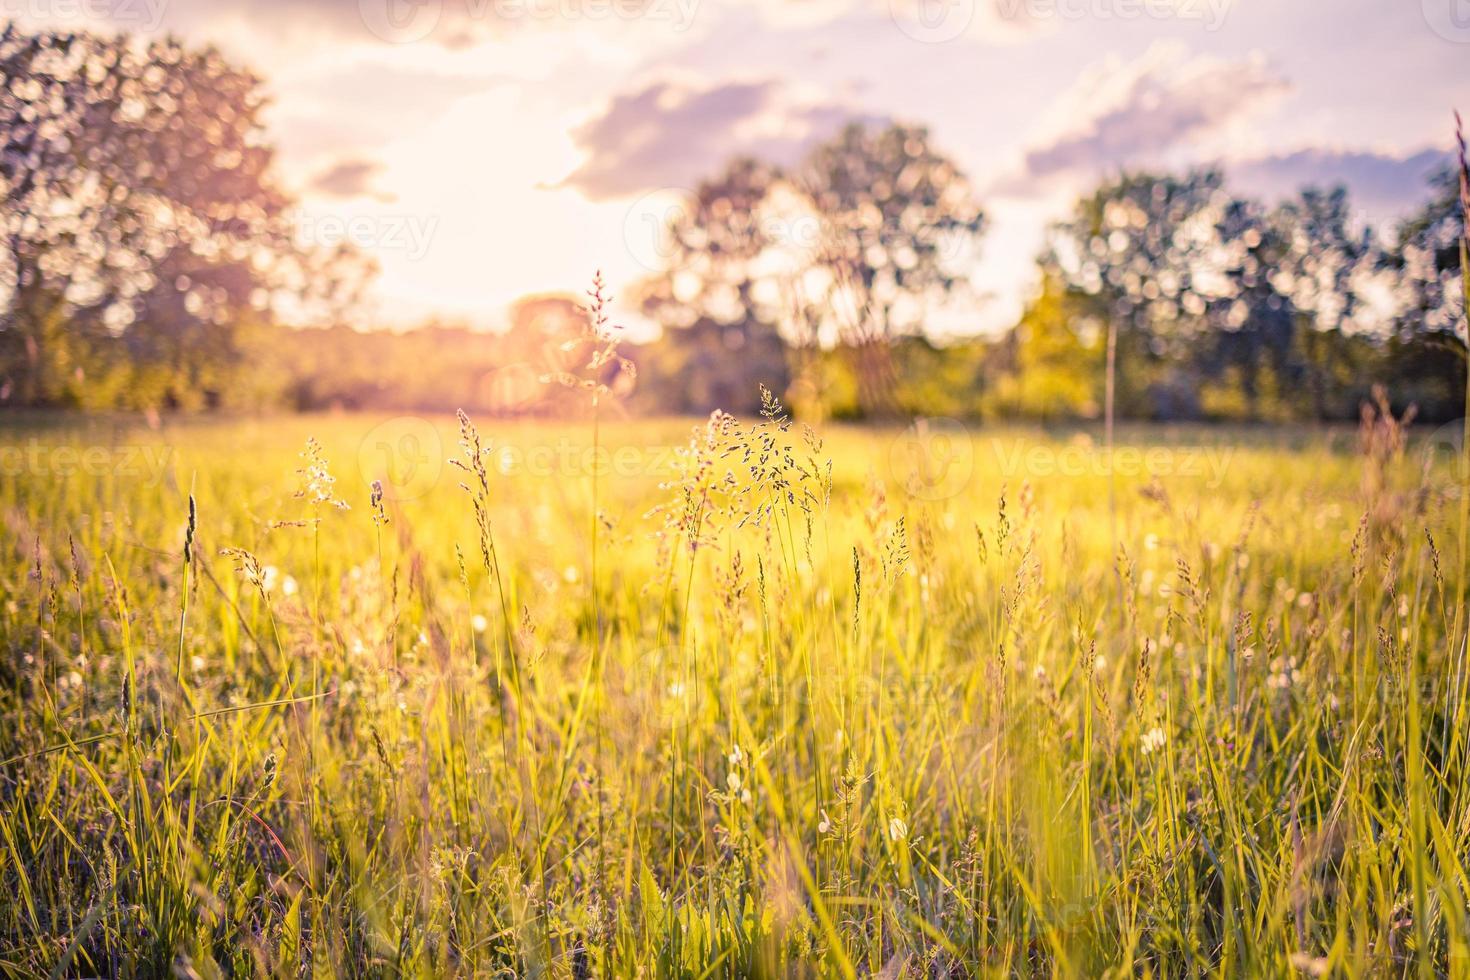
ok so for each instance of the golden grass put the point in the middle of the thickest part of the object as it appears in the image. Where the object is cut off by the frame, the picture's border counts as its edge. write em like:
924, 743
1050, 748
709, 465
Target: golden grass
880, 702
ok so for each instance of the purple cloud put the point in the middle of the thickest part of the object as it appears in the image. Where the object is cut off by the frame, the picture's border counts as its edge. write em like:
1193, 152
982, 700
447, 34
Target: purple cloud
349, 178
1132, 114
670, 134
1383, 186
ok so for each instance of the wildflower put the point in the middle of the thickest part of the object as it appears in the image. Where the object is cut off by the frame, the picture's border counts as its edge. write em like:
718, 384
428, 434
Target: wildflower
1100, 663
737, 757
268, 577
825, 825
1284, 673
897, 829
288, 586
733, 781
197, 662
1153, 740
375, 500
479, 623
316, 479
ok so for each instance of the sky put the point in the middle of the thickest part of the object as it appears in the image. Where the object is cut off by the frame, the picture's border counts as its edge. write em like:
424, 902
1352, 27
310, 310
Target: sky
482, 150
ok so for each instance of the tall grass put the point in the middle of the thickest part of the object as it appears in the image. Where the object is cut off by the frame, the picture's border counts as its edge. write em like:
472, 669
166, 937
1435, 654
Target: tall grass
806, 717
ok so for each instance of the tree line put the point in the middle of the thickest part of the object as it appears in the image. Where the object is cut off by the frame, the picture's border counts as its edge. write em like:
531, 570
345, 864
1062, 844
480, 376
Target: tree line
150, 262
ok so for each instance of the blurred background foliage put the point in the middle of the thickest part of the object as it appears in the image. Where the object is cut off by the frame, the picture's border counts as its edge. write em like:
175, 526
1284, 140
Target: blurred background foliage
150, 264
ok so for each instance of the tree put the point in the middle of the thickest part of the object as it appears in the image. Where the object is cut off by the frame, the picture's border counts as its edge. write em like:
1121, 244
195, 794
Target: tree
722, 292
1055, 350
900, 227
1320, 271
1217, 296
1427, 263
143, 232
854, 247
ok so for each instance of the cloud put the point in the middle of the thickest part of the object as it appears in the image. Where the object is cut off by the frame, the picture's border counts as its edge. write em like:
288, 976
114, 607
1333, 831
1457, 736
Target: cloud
672, 134
1139, 113
450, 24
1382, 185
350, 178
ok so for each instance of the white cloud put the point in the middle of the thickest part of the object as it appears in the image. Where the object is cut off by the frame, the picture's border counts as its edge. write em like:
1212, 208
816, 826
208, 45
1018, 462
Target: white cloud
1153, 111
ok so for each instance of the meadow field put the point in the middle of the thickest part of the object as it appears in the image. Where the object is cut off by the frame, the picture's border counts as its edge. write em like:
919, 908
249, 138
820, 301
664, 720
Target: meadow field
365, 696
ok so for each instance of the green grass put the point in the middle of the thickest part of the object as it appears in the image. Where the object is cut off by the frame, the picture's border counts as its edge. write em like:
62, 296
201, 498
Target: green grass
959, 704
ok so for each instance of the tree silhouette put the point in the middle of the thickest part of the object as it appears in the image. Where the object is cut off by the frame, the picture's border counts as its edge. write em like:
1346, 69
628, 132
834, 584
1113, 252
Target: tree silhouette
143, 231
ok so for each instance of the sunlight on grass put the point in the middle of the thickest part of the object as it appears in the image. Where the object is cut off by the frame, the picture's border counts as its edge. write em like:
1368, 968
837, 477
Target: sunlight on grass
780, 702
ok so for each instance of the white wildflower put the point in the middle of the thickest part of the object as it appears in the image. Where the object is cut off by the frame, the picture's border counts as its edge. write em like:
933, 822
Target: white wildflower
1153, 740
